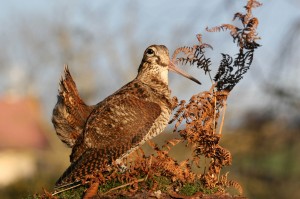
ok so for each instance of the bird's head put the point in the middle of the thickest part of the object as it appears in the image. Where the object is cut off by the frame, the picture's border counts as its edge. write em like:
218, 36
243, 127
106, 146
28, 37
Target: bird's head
156, 63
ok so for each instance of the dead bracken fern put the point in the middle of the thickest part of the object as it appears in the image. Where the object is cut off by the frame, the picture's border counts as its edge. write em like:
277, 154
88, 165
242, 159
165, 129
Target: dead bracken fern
159, 175
231, 70
246, 36
202, 113
194, 55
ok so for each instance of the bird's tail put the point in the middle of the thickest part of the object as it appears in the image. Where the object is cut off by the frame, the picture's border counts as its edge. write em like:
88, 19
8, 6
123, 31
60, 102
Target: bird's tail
70, 112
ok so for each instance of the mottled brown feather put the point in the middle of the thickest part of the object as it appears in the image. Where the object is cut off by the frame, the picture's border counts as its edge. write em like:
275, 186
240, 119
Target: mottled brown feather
70, 112
107, 139
133, 103
116, 126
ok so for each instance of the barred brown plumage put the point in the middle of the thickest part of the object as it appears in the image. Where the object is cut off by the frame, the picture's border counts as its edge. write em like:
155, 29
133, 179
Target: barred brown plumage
70, 112
116, 126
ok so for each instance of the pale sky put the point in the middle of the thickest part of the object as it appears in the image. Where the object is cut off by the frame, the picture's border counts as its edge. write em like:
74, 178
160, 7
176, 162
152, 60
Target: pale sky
154, 22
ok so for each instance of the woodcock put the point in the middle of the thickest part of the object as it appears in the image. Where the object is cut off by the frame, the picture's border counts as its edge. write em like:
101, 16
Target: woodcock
113, 128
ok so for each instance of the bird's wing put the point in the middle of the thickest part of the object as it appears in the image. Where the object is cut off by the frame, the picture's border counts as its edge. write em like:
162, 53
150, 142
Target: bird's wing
127, 118
110, 132
70, 112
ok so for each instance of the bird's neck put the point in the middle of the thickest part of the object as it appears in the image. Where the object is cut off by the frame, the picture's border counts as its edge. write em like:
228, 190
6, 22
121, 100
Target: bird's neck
148, 72
157, 80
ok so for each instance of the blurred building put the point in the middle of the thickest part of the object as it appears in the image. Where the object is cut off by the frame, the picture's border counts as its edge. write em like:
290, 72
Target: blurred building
21, 136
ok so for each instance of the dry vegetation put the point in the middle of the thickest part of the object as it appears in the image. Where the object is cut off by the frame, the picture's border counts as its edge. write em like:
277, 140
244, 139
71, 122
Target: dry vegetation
199, 125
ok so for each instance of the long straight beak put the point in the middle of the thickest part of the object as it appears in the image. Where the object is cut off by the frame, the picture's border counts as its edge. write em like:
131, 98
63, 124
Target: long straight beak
174, 68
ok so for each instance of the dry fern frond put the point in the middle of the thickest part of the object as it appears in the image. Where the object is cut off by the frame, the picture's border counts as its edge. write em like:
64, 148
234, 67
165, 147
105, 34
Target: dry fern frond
246, 36
233, 29
252, 4
91, 191
231, 71
239, 16
224, 182
194, 55
201, 115
170, 143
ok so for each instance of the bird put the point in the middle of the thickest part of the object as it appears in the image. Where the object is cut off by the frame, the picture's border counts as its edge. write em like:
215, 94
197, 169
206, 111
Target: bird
118, 125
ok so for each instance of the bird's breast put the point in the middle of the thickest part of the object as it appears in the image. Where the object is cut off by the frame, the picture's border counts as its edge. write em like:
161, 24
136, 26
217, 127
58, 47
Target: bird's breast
157, 127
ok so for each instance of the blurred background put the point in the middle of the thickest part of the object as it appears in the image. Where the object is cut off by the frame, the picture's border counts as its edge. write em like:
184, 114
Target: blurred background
103, 43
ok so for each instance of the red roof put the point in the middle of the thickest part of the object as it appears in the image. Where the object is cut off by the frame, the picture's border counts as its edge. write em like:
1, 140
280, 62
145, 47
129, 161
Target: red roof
21, 123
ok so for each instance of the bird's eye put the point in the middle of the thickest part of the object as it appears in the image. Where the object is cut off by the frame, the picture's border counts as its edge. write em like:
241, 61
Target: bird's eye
150, 52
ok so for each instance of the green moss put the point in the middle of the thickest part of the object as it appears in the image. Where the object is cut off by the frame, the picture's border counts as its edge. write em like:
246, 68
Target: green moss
189, 189
34, 196
210, 191
76, 193
109, 185
163, 182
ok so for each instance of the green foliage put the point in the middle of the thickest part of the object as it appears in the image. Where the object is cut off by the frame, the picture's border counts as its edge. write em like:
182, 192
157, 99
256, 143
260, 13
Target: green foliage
163, 182
109, 185
189, 189
73, 193
35, 196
